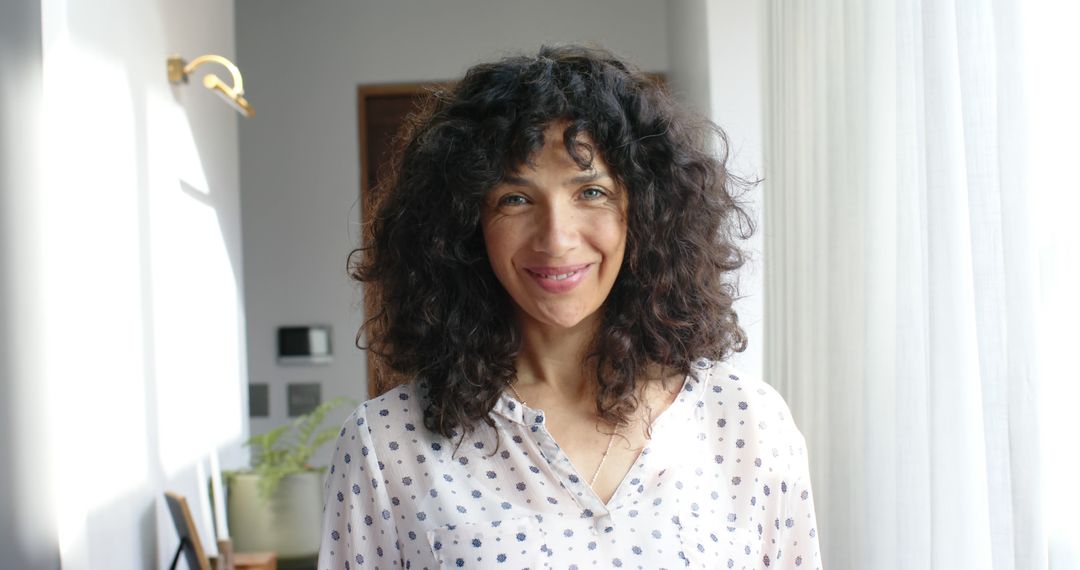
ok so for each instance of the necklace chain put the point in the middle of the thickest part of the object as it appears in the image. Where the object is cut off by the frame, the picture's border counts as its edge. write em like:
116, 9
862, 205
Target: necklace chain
603, 458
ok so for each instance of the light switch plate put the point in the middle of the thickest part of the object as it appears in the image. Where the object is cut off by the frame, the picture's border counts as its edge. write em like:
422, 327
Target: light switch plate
258, 400
303, 397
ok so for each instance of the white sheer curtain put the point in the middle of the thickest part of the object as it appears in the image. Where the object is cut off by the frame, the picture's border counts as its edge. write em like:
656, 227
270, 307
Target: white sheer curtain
915, 264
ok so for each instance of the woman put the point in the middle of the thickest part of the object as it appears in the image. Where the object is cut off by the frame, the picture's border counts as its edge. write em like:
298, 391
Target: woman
553, 266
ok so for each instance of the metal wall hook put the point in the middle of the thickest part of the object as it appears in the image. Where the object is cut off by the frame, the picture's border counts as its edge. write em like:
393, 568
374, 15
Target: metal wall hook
179, 71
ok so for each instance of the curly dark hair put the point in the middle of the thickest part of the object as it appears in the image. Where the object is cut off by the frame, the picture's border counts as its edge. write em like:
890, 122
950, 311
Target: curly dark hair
440, 315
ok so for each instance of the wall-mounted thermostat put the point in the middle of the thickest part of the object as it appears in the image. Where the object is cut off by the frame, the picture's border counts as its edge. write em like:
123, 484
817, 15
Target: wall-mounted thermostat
304, 345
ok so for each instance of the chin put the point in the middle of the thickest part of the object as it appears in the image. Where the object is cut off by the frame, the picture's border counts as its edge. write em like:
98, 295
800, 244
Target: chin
566, 323
567, 320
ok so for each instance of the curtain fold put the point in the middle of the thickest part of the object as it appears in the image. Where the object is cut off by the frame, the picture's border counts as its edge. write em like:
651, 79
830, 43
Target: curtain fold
899, 285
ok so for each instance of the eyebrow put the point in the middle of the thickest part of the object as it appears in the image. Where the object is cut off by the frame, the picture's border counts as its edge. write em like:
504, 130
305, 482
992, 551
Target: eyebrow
580, 179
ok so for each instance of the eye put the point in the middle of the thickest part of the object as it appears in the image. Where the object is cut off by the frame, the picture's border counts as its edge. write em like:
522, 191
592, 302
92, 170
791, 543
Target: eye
593, 193
512, 200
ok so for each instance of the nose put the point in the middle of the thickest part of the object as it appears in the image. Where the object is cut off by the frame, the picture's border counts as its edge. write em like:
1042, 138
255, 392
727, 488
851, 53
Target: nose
558, 230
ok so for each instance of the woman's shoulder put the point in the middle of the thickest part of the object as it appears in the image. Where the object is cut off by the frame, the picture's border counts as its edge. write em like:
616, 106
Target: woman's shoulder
399, 408
744, 402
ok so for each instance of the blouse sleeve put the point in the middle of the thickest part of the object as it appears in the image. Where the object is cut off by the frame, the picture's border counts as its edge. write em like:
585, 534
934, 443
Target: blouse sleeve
792, 536
796, 531
358, 529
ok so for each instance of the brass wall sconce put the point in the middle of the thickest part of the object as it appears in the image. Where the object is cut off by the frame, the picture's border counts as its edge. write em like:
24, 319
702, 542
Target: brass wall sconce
179, 70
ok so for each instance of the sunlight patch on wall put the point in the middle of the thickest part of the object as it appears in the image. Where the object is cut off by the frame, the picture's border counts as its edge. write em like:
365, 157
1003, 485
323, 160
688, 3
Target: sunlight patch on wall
196, 328
92, 271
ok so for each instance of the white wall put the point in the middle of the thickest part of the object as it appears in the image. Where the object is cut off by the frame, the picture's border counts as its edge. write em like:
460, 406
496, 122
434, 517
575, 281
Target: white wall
122, 290
715, 48
735, 80
299, 156
688, 53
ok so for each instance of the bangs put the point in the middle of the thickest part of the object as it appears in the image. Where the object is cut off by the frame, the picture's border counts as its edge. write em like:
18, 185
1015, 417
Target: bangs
528, 142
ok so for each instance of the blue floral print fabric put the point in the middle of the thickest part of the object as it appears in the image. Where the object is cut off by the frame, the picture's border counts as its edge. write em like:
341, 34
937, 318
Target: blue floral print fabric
723, 483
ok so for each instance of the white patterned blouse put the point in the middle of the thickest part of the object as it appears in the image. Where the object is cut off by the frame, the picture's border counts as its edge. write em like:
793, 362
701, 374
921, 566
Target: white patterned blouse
723, 483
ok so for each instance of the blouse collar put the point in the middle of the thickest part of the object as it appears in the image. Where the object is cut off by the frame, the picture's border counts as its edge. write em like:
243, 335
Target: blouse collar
692, 391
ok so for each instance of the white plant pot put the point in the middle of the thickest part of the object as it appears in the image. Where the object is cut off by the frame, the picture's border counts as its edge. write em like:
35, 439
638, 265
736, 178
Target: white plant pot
290, 523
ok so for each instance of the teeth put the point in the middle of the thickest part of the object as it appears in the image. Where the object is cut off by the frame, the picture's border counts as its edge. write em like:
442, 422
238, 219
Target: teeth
558, 277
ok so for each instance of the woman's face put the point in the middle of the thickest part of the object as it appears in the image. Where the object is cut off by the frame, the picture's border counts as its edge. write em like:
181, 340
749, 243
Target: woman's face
556, 235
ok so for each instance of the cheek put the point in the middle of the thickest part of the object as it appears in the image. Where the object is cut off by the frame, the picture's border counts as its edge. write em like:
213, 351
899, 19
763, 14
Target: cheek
498, 242
610, 234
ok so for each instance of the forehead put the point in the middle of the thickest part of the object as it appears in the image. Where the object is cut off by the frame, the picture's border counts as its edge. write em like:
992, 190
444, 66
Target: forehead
579, 154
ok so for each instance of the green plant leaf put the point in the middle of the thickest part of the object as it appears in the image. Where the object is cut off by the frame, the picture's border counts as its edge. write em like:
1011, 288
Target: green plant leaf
287, 449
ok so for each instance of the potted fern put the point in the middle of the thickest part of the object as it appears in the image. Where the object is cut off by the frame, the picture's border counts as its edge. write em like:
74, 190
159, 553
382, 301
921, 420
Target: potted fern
277, 504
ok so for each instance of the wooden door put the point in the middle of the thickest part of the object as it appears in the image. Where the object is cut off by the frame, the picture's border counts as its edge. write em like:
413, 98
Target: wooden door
382, 111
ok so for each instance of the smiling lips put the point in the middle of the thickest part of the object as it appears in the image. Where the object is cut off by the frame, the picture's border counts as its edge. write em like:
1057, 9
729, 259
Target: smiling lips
558, 279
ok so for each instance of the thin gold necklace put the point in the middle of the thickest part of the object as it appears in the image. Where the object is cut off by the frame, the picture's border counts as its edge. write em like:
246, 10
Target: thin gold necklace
606, 451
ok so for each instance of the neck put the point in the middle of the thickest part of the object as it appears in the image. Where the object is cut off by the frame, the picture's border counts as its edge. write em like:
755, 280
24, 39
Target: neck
552, 359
